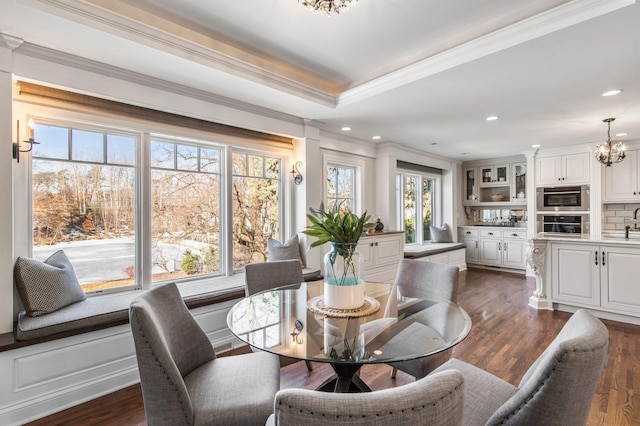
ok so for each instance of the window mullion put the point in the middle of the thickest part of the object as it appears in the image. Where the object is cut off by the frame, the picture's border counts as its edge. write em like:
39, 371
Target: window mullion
226, 208
144, 255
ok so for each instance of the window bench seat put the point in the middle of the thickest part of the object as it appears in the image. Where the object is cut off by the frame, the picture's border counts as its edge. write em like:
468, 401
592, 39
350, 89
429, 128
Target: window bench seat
93, 313
450, 253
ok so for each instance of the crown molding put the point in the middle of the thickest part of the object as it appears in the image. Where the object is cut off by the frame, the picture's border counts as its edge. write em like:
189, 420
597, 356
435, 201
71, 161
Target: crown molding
539, 25
77, 62
187, 44
9, 41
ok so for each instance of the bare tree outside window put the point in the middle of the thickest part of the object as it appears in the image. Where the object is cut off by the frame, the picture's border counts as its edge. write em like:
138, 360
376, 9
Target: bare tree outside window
340, 186
256, 201
185, 210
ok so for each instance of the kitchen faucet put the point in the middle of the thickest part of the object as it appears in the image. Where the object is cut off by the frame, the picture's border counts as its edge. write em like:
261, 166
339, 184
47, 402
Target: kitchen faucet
635, 218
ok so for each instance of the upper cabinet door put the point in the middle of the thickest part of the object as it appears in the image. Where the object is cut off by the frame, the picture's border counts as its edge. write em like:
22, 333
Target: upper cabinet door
494, 175
575, 168
621, 180
549, 171
571, 169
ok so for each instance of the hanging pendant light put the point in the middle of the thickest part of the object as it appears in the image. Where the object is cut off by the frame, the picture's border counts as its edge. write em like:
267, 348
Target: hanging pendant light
608, 152
328, 6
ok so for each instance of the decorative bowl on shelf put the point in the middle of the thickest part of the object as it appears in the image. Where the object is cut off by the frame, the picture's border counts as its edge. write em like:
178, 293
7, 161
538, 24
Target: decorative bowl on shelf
497, 197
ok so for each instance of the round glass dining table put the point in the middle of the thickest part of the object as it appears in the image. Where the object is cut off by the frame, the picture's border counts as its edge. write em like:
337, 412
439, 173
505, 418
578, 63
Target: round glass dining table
293, 322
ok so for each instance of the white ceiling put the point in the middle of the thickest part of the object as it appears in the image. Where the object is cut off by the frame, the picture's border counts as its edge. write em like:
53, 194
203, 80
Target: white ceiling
421, 73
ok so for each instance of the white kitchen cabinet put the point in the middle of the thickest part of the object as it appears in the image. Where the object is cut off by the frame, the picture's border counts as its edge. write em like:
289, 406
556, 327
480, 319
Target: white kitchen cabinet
382, 254
470, 239
514, 252
619, 279
621, 181
603, 276
496, 246
570, 169
575, 274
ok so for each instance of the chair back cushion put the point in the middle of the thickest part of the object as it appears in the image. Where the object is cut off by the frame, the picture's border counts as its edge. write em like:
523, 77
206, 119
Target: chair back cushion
435, 400
559, 386
169, 345
428, 280
267, 275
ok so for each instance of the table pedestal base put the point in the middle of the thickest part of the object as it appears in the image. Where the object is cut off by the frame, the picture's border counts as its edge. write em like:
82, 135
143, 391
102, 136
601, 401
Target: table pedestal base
345, 380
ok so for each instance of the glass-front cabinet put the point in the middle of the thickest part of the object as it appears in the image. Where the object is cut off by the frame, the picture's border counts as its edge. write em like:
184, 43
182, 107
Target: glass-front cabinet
470, 186
519, 182
494, 175
504, 183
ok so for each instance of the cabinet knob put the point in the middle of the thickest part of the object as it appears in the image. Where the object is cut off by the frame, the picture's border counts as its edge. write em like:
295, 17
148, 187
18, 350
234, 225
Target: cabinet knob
558, 178
468, 232
603, 264
376, 243
490, 233
514, 235
596, 258
371, 244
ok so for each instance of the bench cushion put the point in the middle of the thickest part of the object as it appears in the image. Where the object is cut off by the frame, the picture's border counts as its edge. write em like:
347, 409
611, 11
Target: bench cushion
90, 312
413, 252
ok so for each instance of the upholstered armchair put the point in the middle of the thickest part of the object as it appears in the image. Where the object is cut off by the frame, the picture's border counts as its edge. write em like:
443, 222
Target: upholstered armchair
435, 400
431, 281
556, 390
183, 382
268, 275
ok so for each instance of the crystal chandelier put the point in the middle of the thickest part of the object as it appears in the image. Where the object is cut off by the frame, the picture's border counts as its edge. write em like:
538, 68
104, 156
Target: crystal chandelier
328, 6
609, 153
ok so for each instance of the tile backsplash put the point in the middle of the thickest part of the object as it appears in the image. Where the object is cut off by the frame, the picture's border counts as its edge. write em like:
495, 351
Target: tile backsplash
616, 216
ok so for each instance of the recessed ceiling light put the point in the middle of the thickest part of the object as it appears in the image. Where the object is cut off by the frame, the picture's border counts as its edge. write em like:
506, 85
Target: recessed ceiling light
346, 129
376, 137
434, 143
492, 118
612, 92
536, 146
622, 134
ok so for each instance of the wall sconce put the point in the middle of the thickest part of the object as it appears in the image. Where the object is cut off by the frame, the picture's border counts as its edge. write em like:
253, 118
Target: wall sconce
295, 172
30, 141
295, 334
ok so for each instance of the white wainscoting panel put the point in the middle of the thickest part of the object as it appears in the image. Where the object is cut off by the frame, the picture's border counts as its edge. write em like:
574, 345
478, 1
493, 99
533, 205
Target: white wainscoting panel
45, 378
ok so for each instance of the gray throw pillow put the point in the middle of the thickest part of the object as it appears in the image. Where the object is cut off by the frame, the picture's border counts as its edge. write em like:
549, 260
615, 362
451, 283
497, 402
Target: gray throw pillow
47, 286
441, 235
287, 251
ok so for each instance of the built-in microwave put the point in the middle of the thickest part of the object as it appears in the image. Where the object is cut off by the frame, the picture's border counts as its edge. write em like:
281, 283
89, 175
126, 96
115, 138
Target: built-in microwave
565, 198
576, 225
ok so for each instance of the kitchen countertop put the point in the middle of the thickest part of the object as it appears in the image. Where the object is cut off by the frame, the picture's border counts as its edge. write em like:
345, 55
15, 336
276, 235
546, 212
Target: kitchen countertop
608, 238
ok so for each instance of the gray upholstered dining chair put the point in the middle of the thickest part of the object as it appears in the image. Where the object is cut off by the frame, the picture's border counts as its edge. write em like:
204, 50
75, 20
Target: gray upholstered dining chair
556, 390
431, 281
435, 400
183, 382
267, 275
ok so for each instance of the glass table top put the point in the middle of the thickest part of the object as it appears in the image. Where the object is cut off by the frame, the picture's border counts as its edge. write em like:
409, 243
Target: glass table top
280, 322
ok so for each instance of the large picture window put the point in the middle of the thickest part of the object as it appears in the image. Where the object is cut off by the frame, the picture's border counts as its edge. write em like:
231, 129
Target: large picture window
131, 208
83, 198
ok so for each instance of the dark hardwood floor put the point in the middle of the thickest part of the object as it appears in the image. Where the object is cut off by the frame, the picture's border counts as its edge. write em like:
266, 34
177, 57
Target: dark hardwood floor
507, 336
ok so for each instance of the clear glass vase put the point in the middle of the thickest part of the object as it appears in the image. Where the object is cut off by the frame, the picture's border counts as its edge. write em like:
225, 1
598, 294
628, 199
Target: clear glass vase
344, 277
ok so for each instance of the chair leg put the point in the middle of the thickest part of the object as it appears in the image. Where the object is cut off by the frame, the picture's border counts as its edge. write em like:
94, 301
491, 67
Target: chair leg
309, 366
394, 371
